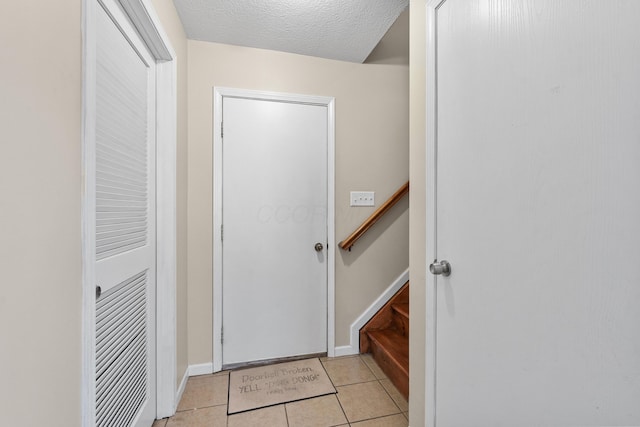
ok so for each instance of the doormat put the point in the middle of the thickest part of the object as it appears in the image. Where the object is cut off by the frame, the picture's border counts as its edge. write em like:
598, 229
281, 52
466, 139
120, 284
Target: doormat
263, 386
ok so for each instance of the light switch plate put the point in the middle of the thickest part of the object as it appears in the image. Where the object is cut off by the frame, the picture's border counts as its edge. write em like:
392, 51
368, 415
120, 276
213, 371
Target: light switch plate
363, 198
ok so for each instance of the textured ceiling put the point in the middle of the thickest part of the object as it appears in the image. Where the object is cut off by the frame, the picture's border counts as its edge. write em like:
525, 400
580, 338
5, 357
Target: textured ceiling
346, 30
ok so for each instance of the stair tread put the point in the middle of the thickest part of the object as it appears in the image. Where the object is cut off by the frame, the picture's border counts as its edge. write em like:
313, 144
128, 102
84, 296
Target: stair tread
401, 308
395, 345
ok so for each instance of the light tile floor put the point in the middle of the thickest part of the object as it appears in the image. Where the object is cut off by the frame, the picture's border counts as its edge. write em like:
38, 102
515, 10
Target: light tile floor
365, 398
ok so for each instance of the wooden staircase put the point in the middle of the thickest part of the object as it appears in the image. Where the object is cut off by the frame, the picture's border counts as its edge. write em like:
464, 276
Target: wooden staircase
386, 337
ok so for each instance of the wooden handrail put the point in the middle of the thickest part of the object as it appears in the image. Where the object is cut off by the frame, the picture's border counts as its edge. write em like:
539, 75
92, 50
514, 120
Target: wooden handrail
368, 223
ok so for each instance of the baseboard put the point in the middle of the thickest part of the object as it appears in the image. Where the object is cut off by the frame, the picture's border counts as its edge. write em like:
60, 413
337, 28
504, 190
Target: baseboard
200, 369
345, 350
354, 334
181, 387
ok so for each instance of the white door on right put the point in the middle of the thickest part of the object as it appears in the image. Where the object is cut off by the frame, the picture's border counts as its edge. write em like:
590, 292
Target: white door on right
536, 205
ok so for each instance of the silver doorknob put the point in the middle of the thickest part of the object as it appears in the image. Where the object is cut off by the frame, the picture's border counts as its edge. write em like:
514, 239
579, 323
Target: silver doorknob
318, 247
443, 267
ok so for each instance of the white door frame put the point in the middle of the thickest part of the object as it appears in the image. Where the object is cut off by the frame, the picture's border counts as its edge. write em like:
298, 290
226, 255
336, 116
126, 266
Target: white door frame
147, 23
329, 102
431, 165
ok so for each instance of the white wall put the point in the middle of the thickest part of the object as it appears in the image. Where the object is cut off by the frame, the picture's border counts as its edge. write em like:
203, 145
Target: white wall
372, 134
171, 23
40, 188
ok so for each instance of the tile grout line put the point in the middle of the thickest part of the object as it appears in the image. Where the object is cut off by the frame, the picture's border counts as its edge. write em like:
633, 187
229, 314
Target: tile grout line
381, 385
376, 379
286, 413
342, 409
328, 376
360, 382
391, 397
336, 394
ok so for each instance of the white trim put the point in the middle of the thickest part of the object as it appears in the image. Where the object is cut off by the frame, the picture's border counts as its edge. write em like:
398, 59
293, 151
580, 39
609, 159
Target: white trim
332, 246
431, 164
354, 331
166, 237
181, 388
145, 20
201, 369
345, 350
191, 371
217, 225
329, 102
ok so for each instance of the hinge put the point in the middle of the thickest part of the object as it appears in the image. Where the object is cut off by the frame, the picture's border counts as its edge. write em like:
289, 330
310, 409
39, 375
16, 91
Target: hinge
222, 129
221, 335
222, 232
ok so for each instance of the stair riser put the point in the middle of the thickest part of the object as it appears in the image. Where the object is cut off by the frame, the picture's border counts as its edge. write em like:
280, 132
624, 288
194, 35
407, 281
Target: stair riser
401, 323
392, 370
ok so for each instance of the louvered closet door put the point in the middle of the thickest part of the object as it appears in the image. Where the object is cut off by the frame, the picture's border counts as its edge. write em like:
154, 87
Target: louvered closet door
125, 224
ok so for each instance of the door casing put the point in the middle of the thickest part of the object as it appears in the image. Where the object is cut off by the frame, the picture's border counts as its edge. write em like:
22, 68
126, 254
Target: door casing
329, 102
430, 213
144, 18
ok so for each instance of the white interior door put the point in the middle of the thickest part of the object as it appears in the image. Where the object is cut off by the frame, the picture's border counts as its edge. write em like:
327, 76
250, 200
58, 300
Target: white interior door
125, 224
536, 142
274, 212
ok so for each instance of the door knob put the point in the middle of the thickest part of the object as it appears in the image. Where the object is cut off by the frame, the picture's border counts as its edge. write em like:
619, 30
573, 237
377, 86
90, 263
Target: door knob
443, 267
318, 247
